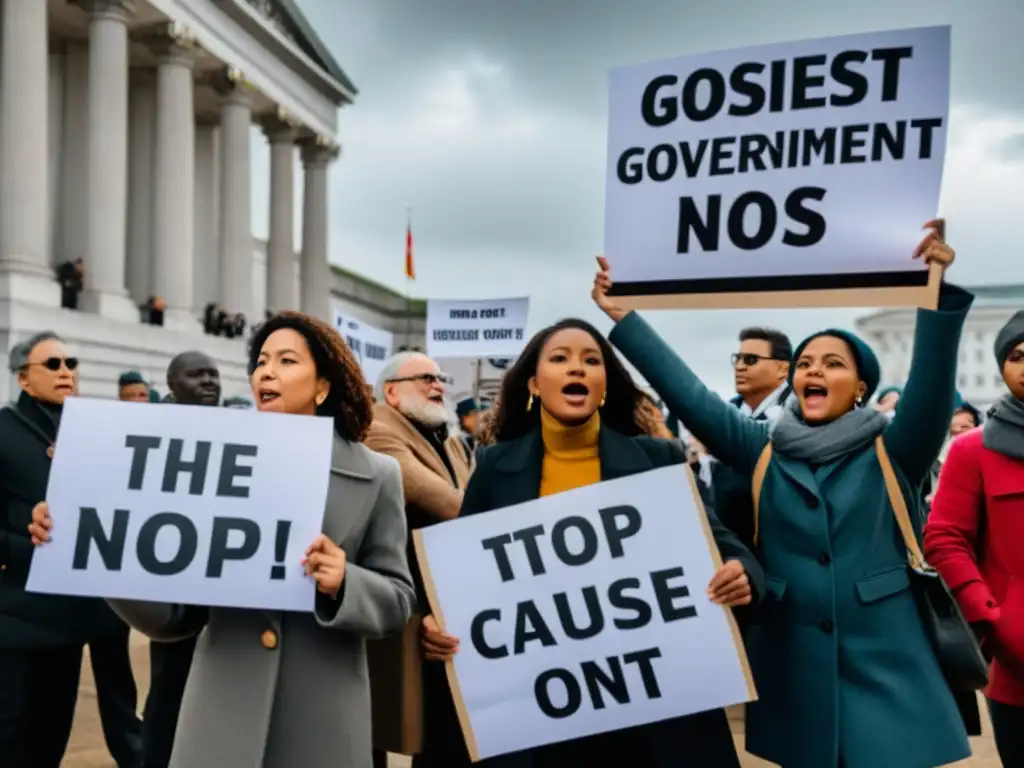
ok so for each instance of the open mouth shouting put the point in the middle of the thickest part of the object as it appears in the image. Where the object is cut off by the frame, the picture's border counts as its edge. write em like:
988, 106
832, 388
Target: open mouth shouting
576, 394
268, 398
815, 397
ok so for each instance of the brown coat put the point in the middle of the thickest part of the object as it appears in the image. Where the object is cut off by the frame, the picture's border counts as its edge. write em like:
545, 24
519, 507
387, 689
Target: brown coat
430, 497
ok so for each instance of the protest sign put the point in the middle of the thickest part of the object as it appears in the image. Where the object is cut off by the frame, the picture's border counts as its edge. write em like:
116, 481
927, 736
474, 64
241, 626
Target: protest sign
476, 328
795, 174
588, 613
371, 346
184, 504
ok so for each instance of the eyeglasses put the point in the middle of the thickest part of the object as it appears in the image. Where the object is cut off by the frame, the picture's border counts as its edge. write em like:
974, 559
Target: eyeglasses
424, 378
750, 359
54, 363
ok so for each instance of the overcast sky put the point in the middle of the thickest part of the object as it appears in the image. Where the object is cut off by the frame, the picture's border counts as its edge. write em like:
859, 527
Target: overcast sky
488, 119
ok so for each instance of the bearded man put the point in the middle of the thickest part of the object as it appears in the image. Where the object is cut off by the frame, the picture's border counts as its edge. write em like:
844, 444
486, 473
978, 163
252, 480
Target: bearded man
410, 423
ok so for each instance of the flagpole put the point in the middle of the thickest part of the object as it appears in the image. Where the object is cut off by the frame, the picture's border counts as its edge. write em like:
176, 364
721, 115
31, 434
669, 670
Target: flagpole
408, 284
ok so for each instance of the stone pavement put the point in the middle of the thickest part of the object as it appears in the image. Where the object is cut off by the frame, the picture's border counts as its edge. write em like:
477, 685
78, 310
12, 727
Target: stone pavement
88, 751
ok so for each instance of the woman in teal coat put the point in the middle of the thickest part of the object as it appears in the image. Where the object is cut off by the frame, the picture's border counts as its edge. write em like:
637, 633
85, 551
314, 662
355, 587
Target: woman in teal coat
845, 671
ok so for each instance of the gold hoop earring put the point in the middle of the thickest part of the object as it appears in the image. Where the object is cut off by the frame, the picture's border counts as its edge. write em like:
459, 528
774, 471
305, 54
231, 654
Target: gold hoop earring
529, 403
604, 399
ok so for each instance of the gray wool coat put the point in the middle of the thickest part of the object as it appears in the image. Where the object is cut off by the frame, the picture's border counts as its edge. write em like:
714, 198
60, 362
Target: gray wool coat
306, 700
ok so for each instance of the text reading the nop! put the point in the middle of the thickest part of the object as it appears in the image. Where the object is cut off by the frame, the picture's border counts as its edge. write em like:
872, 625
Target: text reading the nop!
232, 538
184, 504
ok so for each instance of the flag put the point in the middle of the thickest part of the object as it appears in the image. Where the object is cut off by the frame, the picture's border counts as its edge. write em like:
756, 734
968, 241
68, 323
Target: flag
410, 269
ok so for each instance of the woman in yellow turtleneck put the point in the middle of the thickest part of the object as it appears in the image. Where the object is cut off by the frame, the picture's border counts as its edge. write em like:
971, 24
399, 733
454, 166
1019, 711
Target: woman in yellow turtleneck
569, 415
571, 458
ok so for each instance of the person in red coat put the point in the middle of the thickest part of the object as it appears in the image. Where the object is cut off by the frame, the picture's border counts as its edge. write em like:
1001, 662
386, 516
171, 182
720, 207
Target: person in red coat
975, 539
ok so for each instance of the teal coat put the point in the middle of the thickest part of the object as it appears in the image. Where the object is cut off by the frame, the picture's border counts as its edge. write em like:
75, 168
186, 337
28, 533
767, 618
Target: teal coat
843, 667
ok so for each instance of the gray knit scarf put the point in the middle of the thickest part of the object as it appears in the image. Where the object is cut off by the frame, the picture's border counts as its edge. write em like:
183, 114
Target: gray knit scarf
1004, 431
824, 443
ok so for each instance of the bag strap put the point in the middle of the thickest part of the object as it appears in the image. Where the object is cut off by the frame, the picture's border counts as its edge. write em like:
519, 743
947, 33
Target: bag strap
757, 481
899, 506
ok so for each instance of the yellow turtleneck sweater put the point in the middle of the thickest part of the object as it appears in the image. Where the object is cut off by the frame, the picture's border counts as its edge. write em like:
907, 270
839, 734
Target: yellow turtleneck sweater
571, 457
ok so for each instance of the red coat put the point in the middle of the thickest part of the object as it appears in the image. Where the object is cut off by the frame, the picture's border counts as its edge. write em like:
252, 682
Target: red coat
975, 539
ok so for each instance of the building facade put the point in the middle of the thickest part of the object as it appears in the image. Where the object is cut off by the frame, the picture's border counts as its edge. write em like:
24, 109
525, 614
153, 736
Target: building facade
125, 131
891, 334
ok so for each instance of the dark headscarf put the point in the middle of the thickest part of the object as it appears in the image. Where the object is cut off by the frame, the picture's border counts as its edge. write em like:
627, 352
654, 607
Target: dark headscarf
868, 368
1004, 431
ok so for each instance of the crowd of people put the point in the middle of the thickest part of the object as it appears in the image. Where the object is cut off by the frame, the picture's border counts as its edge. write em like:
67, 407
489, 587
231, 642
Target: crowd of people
793, 480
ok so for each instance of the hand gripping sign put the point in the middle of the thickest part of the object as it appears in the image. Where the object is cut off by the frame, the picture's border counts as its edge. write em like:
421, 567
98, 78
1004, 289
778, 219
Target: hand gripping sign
583, 612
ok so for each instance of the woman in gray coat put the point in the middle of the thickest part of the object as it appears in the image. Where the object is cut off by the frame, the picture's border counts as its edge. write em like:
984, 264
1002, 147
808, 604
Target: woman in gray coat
279, 690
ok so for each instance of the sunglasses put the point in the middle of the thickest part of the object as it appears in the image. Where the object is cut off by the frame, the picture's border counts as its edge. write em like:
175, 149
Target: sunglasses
54, 363
750, 359
424, 378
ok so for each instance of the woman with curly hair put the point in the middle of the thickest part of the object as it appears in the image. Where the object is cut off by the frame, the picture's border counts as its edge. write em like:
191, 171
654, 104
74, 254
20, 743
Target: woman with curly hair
282, 689
569, 415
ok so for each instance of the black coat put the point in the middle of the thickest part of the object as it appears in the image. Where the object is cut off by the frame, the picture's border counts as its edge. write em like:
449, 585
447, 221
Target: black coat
27, 620
510, 473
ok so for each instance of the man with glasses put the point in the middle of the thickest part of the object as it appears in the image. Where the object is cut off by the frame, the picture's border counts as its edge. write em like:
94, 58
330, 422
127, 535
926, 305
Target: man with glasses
411, 424
761, 374
761, 371
42, 636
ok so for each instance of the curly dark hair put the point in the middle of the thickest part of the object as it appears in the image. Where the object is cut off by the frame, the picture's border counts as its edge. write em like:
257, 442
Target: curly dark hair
512, 420
347, 402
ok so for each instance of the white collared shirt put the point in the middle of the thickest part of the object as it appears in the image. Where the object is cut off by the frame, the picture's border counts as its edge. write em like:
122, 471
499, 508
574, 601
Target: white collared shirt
768, 409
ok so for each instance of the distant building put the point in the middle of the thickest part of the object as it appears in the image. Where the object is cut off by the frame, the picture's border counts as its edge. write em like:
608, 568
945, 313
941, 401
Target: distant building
891, 334
138, 163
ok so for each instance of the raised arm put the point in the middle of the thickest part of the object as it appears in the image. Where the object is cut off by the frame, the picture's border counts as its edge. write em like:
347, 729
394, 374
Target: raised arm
921, 423
924, 411
730, 436
377, 596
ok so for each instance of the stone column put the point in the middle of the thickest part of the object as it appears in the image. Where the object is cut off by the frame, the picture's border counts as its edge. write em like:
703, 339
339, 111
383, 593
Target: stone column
206, 269
174, 174
24, 152
317, 154
142, 130
281, 288
74, 188
107, 198
55, 140
235, 243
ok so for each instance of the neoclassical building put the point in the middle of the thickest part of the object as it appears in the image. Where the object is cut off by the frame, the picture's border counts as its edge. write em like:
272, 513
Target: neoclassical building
891, 334
125, 139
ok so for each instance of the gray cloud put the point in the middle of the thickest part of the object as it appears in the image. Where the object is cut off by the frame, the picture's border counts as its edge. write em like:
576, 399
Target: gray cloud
1012, 149
488, 118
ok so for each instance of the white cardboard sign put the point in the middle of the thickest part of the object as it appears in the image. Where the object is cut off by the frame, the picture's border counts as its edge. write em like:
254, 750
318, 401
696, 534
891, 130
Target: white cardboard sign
801, 166
477, 327
583, 612
372, 346
184, 504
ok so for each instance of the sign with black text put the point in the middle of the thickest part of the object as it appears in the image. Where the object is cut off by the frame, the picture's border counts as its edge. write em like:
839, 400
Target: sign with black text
184, 504
788, 169
588, 613
371, 345
476, 327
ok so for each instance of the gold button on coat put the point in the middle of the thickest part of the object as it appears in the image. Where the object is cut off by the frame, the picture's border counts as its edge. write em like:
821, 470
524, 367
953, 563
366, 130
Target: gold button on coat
269, 639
